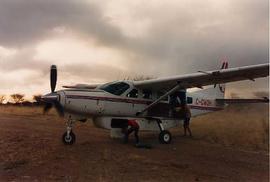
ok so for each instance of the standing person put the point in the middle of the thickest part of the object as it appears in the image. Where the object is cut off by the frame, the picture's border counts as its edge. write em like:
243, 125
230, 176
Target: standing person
133, 127
187, 116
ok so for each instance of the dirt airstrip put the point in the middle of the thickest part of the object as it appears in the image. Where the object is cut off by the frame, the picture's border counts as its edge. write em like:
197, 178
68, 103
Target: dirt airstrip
230, 145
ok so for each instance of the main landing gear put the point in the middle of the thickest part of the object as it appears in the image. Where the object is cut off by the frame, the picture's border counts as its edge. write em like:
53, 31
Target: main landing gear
165, 136
69, 137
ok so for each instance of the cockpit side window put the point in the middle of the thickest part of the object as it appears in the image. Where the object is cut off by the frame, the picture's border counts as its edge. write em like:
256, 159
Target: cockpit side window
147, 94
115, 88
133, 93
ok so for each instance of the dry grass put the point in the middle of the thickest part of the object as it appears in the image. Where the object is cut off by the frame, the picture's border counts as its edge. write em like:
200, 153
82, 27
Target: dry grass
239, 126
24, 110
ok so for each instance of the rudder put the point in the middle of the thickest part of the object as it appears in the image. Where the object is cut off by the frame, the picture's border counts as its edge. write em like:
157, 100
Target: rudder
220, 88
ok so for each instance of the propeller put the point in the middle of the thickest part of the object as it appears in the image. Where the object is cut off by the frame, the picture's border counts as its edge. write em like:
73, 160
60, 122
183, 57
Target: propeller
53, 77
47, 107
59, 109
53, 99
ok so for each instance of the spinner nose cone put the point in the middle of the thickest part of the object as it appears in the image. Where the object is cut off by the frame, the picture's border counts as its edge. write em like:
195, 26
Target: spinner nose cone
51, 97
53, 100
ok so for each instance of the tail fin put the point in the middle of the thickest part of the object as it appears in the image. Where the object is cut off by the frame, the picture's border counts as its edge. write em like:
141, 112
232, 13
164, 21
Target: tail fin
225, 65
220, 88
216, 92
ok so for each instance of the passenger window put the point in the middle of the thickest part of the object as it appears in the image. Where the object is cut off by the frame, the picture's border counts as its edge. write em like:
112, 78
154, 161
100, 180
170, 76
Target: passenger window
133, 93
189, 100
147, 94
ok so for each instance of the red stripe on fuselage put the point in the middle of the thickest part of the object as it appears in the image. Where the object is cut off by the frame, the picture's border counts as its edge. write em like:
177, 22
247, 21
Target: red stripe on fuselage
133, 101
111, 99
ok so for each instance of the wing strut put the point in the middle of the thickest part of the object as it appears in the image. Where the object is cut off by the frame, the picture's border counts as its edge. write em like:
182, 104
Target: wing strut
174, 89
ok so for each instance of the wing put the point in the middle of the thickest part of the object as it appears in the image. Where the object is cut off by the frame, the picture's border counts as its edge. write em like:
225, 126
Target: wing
83, 86
206, 78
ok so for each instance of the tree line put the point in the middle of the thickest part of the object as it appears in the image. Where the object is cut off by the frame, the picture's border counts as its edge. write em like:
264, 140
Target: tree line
19, 99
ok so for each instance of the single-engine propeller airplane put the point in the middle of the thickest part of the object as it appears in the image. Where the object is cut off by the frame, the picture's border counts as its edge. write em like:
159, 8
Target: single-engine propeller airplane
111, 105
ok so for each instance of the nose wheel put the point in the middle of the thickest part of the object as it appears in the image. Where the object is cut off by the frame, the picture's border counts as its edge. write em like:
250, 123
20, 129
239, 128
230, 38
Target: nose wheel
69, 138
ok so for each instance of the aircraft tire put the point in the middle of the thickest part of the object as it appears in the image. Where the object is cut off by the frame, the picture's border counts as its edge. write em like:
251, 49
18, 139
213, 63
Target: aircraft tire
70, 140
165, 137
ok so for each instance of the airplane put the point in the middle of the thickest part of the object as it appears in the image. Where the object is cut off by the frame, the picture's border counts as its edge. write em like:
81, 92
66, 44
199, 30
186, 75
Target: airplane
149, 102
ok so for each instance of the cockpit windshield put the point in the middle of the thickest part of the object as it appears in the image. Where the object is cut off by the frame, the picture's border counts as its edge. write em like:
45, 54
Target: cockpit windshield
115, 88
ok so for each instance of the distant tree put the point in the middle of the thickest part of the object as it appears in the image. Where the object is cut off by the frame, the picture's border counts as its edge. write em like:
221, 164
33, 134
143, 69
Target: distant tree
9, 103
37, 99
261, 94
2, 99
27, 103
17, 98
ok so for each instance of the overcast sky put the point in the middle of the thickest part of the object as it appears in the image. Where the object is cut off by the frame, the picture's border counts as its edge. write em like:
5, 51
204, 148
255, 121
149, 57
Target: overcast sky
102, 40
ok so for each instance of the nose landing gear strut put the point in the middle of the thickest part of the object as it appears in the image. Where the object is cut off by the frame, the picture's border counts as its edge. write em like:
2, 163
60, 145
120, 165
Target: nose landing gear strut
69, 137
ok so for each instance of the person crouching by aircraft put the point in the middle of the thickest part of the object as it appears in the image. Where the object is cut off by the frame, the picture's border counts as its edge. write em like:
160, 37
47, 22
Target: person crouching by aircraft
187, 116
132, 126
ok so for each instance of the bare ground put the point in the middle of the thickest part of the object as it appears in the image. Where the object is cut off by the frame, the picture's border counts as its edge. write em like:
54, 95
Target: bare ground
31, 150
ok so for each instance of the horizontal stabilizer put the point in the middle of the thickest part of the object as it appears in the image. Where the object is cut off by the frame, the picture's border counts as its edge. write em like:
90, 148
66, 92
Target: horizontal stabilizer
242, 101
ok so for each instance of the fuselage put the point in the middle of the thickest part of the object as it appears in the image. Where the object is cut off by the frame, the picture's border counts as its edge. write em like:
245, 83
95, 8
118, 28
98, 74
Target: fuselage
155, 104
100, 102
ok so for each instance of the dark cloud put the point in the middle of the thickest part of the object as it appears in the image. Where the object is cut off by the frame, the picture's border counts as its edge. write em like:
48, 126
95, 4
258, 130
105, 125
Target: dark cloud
186, 37
189, 39
24, 60
88, 73
180, 38
24, 21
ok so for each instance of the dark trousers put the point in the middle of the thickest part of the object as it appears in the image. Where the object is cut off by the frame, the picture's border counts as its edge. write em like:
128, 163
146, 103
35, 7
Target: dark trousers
186, 122
129, 131
186, 126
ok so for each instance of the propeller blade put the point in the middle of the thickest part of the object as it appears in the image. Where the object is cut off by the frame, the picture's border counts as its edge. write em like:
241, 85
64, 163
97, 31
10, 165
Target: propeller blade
59, 108
47, 107
53, 77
